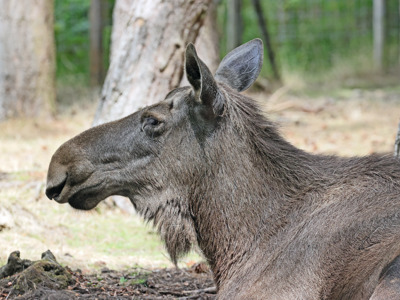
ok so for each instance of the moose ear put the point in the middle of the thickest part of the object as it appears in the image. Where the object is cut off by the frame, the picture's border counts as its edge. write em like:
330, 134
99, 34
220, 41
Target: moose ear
202, 81
241, 67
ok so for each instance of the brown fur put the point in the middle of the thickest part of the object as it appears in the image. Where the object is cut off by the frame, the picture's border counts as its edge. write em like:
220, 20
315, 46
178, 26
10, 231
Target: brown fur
273, 221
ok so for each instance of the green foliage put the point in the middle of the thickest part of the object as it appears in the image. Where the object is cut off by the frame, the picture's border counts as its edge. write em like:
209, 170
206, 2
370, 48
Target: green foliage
71, 30
122, 280
134, 278
140, 280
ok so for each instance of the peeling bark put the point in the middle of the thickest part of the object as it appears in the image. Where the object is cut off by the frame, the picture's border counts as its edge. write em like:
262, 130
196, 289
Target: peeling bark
148, 43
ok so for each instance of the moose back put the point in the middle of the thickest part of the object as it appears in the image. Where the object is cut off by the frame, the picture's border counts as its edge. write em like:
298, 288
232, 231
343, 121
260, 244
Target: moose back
208, 168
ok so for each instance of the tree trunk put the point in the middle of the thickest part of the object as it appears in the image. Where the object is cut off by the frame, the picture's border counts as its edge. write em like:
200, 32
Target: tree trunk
262, 22
379, 32
27, 58
121, 16
149, 40
207, 42
234, 24
97, 15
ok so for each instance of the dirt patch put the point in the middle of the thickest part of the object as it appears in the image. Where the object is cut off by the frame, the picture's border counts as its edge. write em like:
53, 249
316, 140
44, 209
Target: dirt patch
46, 279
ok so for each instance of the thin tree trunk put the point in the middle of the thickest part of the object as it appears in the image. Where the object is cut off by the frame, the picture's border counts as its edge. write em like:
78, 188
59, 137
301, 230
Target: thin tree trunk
148, 53
27, 58
234, 24
281, 22
379, 32
97, 23
267, 39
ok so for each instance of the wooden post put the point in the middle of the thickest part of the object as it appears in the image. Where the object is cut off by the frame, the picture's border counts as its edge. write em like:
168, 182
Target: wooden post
379, 32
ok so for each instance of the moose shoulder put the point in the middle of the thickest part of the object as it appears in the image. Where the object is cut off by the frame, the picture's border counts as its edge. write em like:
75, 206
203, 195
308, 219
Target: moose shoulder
208, 168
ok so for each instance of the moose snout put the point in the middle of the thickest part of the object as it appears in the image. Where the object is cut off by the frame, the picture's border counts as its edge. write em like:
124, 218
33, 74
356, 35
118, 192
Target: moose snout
56, 180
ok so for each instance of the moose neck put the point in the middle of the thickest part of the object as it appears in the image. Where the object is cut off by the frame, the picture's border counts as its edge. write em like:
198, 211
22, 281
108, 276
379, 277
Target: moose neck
251, 187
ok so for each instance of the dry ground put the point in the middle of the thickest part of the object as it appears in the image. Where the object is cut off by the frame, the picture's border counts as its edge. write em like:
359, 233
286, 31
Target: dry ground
345, 122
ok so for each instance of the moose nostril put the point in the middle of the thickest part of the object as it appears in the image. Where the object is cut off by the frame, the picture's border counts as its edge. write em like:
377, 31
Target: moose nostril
53, 192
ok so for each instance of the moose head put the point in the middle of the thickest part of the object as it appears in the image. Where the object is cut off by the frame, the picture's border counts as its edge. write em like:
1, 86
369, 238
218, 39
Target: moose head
157, 155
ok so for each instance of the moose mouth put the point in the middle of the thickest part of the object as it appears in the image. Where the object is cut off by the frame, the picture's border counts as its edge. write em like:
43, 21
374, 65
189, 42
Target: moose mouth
87, 201
85, 198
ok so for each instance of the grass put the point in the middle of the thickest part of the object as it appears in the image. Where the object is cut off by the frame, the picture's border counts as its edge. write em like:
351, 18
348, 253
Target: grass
345, 121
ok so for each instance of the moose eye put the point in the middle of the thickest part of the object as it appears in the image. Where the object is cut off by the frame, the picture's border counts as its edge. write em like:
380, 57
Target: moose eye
152, 126
151, 121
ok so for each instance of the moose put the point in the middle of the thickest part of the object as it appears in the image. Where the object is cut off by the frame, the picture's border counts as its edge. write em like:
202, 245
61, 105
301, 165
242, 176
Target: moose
209, 169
